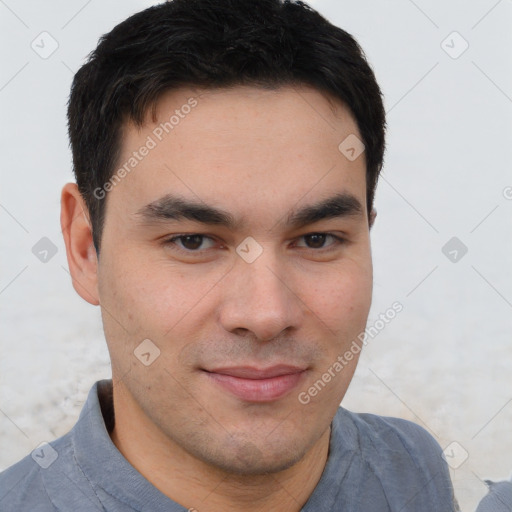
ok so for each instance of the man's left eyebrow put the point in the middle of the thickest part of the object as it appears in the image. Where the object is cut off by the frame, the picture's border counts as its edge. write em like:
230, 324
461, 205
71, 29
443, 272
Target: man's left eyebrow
173, 208
340, 205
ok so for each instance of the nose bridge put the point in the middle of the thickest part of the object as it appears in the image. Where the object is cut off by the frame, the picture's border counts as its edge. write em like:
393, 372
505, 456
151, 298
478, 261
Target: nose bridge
260, 297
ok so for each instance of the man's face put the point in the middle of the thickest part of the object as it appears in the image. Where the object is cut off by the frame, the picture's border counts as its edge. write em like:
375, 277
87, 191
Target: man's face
239, 338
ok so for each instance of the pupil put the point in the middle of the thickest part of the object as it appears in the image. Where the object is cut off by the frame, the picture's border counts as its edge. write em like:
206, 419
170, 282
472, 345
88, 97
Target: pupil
319, 238
197, 238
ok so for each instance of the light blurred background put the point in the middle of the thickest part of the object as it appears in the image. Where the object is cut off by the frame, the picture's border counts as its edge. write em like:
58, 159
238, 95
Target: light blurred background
445, 361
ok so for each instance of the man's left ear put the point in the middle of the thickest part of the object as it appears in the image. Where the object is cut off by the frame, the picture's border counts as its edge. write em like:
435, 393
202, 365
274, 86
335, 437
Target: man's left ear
373, 214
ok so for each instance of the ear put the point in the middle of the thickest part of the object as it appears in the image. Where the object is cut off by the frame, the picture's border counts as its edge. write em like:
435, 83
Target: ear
81, 254
373, 214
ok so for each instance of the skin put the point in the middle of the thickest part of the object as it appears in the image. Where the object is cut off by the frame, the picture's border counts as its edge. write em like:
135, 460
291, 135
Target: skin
258, 154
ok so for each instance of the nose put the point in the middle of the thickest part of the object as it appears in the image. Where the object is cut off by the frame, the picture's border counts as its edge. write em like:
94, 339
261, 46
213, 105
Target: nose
260, 297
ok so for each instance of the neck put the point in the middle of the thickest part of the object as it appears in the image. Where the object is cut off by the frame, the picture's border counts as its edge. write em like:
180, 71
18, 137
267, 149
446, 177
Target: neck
200, 486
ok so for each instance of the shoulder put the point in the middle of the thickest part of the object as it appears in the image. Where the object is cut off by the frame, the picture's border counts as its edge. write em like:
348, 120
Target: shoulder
23, 486
399, 433
400, 453
393, 434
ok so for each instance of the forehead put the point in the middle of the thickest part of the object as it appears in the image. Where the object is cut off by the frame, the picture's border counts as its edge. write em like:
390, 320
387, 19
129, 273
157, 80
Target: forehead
250, 148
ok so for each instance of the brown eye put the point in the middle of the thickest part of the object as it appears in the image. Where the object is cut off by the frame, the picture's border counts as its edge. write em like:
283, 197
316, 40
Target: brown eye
192, 242
317, 240
188, 243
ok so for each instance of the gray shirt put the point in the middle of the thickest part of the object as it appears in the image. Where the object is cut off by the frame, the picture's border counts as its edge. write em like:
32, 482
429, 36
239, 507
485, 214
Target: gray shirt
375, 464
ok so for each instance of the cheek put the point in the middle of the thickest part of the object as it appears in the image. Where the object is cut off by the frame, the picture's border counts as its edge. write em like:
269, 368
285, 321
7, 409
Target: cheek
342, 305
341, 299
131, 304
154, 298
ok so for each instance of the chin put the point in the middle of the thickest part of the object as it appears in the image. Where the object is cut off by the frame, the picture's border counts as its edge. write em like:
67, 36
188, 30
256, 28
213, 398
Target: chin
244, 458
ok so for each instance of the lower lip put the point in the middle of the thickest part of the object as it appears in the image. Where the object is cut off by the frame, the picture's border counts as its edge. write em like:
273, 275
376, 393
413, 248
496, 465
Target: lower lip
257, 390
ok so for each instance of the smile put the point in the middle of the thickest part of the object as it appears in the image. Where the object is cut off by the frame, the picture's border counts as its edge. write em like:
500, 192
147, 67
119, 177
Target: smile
257, 385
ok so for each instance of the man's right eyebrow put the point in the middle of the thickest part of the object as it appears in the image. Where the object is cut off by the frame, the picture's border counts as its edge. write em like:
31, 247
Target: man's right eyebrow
171, 207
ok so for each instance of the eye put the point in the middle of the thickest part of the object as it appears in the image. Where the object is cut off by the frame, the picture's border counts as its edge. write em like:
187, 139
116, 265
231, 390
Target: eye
317, 240
189, 243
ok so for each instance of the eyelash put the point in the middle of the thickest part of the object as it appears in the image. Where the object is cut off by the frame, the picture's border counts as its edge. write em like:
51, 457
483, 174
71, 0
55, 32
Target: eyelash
172, 241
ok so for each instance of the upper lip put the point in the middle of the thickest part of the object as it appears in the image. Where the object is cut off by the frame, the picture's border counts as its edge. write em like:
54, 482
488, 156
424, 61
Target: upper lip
250, 372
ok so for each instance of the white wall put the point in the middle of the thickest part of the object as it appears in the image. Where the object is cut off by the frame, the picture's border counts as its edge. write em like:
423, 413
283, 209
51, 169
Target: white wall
445, 361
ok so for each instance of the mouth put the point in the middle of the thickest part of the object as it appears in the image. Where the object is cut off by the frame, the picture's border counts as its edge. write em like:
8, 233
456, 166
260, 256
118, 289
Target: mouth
257, 384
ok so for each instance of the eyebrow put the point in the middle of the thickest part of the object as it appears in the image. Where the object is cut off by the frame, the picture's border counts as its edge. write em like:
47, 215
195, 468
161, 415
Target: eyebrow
172, 208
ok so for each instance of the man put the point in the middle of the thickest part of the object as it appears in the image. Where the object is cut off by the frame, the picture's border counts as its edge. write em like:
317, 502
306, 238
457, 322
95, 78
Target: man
226, 154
